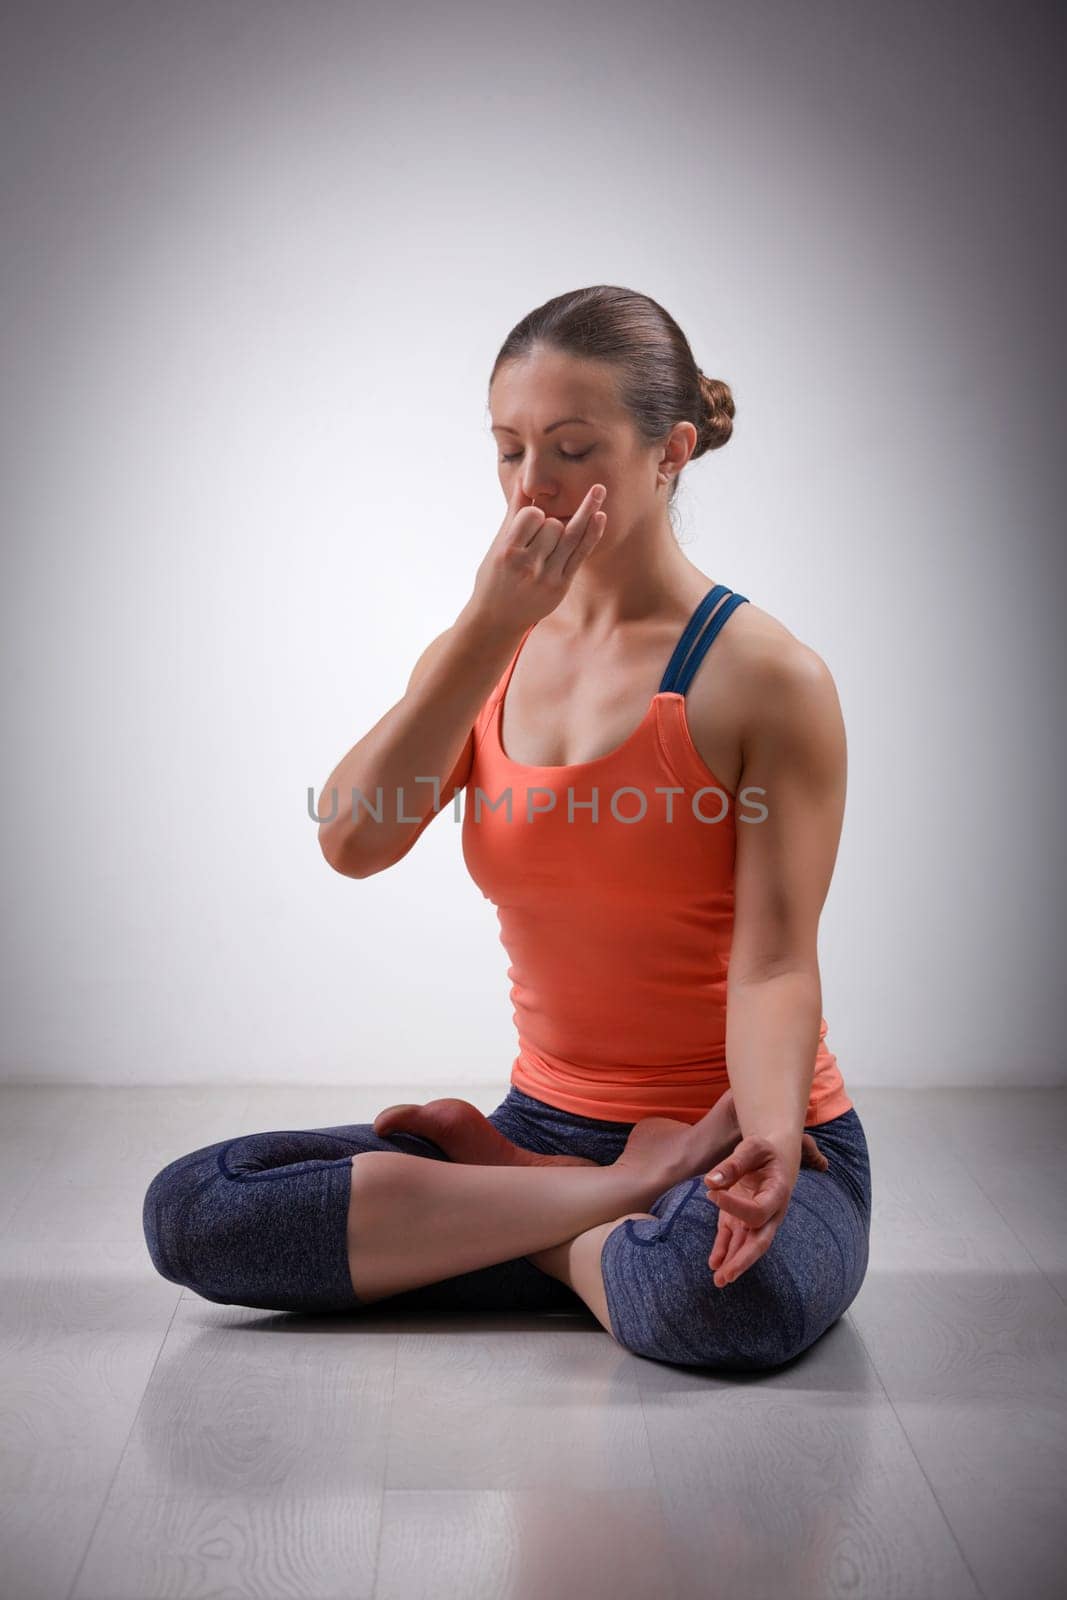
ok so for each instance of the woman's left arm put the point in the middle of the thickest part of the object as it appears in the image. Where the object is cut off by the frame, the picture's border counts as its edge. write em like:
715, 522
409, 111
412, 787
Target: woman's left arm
792, 793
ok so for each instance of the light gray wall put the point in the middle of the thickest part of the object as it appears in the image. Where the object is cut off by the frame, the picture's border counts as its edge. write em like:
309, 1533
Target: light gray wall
258, 260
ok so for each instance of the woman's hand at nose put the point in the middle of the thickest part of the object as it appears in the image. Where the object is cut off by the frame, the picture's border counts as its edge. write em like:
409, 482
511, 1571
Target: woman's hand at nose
532, 562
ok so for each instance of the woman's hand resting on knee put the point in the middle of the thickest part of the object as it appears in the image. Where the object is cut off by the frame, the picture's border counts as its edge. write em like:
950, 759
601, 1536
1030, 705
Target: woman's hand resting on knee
758, 1178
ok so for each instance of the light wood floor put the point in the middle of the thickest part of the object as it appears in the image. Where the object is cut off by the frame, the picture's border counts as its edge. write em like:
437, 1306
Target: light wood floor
155, 1444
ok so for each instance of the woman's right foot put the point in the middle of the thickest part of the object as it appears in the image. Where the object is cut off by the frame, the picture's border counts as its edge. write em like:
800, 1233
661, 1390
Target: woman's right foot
667, 1151
664, 1151
466, 1135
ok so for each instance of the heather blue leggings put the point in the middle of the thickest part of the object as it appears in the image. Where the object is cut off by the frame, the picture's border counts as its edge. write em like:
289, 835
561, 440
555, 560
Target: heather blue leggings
261, 1220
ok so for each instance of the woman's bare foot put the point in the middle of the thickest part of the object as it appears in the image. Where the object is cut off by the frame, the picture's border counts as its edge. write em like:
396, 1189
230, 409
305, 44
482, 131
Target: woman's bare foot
664, 1151
671, 1151
465, 1135
680, 1150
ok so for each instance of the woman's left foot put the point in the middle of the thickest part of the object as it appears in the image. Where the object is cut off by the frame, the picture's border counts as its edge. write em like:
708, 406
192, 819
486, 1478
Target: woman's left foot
466, 1135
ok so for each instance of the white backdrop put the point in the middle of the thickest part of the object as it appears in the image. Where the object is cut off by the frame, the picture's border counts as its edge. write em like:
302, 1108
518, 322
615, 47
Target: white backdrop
259, 259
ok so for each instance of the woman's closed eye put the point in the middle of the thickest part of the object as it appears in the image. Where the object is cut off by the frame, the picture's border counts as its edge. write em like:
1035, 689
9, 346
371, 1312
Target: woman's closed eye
564, 453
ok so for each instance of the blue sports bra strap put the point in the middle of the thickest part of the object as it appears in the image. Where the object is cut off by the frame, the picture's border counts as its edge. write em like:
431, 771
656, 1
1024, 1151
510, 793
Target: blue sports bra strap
692, 628
727, 609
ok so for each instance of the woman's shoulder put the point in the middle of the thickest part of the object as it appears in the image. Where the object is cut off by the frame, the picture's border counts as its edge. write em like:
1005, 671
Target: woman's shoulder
786, 691
761, 677
764, 650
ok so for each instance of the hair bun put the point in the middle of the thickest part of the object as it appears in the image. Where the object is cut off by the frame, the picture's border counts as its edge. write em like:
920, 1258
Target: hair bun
718, 413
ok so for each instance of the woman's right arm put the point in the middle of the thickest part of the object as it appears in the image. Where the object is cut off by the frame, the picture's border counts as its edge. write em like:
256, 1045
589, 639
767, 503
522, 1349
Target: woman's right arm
524, 575
428, 733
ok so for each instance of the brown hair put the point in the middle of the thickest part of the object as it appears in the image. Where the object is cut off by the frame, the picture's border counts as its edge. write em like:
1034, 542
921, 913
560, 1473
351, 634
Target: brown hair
660, 383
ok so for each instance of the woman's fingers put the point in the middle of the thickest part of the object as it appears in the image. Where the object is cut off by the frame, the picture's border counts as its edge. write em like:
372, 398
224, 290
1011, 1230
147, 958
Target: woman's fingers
727, 1247
748, 1253
723, 1240
737, 1247
752, 1198
729, 1240
747, 1156
752, 1212
733, 1251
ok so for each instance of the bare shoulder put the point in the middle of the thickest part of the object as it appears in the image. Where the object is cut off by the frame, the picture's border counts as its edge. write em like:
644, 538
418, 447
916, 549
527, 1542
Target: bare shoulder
764, 684
777, 671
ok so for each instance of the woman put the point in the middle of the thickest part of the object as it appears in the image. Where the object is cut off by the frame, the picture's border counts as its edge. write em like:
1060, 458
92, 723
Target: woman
657, 824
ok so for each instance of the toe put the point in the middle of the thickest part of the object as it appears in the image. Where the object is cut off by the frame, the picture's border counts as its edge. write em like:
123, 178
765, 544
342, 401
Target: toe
394, 1117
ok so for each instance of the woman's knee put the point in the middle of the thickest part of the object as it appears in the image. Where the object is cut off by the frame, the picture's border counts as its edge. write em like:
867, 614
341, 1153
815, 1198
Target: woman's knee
665, 1305
189, 1207
719, 1344
171, 1218
699, 1335
257, 1221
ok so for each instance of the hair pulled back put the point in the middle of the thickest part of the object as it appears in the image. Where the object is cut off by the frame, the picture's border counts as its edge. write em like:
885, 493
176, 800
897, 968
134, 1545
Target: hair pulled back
660, 383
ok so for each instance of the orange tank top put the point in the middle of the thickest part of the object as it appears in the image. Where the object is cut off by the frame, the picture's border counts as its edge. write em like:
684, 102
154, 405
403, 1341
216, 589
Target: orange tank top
613, 881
